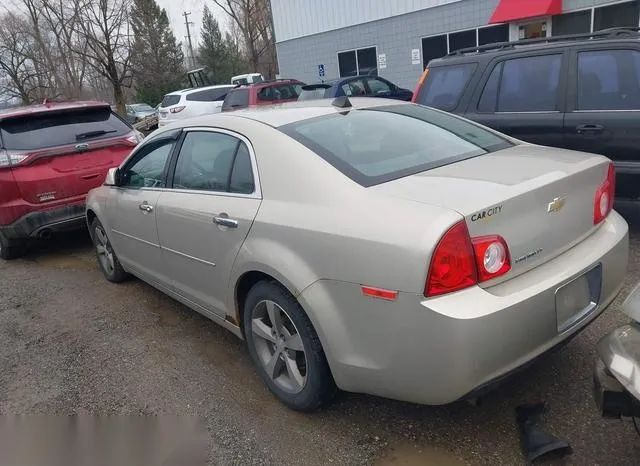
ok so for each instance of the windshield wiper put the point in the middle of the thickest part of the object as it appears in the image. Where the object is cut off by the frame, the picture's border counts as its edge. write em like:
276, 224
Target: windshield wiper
93, 134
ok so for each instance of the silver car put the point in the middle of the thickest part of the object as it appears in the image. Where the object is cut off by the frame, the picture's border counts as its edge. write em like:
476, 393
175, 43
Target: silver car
372, 246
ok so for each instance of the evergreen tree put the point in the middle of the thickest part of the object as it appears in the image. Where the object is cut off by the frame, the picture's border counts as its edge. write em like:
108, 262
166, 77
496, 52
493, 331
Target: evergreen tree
156, 56
219, 54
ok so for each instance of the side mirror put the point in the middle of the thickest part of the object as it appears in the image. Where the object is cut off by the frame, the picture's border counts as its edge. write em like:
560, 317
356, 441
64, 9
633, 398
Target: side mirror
112, 178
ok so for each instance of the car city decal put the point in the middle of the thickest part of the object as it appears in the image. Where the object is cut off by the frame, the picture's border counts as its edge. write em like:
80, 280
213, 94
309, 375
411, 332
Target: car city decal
486, 215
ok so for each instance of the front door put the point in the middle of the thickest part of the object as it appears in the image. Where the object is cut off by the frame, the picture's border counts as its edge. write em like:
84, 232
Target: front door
206, 216
604, 111
132, 212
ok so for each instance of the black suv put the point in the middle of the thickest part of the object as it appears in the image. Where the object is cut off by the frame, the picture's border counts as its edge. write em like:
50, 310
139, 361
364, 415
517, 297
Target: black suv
579, 92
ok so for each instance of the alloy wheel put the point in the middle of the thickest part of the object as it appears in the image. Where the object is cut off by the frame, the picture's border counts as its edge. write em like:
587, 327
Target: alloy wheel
103, 248
279, 346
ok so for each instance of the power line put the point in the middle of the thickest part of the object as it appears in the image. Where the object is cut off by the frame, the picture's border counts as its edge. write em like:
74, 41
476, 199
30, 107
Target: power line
187, 23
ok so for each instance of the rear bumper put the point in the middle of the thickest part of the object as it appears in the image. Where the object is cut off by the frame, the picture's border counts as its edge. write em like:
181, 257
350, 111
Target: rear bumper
67, 218
438, 350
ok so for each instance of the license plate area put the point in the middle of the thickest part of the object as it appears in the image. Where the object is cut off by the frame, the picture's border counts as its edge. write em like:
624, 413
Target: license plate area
578, 299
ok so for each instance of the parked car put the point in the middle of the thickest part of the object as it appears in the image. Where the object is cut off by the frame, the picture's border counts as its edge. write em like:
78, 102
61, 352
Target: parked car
188, 103
250, 78
392, 219
264, 93
137, 112
370, 86
51, 155
575, 92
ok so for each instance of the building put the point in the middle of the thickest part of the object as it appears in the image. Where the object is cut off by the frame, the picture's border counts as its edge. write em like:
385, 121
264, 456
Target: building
324, 39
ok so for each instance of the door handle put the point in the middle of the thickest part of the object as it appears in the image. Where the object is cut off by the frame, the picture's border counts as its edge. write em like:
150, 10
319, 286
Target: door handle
589, 128
225, 221
145, 207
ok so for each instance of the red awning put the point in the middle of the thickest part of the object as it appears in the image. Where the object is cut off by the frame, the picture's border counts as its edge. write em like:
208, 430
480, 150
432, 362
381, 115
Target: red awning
512, 10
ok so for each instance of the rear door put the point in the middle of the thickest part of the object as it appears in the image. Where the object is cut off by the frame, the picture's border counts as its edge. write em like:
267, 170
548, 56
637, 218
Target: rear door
524, 96
132, 209
206, 216
61, 155
604, 109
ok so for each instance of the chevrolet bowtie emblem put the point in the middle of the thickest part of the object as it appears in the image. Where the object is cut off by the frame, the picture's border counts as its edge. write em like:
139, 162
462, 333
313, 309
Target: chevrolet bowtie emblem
555, 205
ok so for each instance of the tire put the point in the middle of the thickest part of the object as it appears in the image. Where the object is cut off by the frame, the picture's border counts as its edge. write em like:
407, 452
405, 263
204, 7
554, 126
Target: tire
107, 259
301, 380
14, 250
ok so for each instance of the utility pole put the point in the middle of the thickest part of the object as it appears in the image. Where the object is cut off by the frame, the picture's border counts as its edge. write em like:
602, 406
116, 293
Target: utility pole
187, 23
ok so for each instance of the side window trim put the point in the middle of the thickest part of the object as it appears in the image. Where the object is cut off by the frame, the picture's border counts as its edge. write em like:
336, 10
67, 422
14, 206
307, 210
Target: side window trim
572, 92
257, 192
171, 136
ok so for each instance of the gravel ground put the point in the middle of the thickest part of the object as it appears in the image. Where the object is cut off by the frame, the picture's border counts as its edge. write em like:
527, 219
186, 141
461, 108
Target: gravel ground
74, 344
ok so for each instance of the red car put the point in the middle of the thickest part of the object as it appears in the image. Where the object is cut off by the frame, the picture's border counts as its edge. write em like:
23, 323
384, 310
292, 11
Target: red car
51, 155
264, 93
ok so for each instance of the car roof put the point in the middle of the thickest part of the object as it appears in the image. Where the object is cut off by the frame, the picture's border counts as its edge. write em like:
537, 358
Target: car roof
191, 90
48, 107
289, 112
487, 52
269, 83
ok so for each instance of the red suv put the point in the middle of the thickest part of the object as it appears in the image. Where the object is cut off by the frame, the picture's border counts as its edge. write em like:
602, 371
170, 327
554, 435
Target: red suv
264, 93
51, 155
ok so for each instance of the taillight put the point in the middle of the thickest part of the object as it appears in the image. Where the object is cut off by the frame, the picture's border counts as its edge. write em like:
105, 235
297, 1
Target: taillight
135, 138
459, 261
8, 158
452, 265
603, 201
423, 76
177, 109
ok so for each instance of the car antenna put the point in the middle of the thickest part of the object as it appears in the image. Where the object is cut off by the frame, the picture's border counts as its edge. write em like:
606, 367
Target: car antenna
342, 102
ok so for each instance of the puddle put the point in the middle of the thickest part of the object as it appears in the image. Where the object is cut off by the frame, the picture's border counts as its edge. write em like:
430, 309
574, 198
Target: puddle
413, 455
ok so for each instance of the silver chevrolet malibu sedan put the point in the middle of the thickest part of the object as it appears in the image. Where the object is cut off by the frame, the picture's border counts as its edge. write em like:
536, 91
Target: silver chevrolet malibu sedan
372, 246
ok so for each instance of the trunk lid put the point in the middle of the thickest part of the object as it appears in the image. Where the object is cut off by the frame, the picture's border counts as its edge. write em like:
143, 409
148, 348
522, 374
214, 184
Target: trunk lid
59, 155
539, 199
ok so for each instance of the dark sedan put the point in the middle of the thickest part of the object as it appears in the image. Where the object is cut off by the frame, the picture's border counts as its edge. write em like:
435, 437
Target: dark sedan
367, 86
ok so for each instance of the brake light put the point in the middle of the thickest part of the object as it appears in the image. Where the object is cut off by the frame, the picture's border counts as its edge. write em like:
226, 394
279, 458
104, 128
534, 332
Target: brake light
177, 109
460, 261
452, 265
492, 257
423, 76
603, 201
8, 158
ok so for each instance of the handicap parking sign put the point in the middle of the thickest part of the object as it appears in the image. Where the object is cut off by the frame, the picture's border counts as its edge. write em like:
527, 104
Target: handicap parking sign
321, 71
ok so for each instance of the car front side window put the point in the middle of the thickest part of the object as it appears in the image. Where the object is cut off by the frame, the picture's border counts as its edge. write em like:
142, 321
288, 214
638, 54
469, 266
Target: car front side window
147, 168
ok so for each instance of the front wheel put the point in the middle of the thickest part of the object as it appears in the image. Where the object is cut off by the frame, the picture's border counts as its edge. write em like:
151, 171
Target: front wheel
107, 259
284, 345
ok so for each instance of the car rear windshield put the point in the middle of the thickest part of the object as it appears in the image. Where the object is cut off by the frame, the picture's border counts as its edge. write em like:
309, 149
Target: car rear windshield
58, 128
209, 95
169, 100
381, 144
279, 92
444, 85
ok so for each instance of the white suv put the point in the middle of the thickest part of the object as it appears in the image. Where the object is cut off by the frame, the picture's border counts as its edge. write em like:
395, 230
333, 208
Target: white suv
191, 102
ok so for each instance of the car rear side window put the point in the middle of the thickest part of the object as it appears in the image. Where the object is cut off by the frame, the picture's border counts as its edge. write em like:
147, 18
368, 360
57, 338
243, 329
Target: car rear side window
609, 80
209, 95
381, 144
59, 128
444, 86
279, 92
236, 98
312, 93
170, 100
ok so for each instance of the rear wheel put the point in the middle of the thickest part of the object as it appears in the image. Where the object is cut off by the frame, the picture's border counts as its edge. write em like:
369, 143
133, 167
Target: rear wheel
107, 259
12, 250
284, 345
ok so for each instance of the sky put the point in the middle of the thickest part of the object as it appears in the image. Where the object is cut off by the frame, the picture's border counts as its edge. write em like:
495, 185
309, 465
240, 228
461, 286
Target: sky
175, 8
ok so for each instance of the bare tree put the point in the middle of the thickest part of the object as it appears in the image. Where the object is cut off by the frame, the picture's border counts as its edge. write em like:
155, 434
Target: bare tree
104, 26
253, 19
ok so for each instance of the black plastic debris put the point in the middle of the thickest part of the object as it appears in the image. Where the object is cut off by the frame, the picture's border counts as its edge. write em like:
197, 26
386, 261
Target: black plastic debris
536, 443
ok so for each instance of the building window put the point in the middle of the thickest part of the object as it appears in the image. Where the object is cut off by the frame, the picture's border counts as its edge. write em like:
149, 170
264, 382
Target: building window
620, 15
571, 23
433, 47
462, 40
493, 34
357, 62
